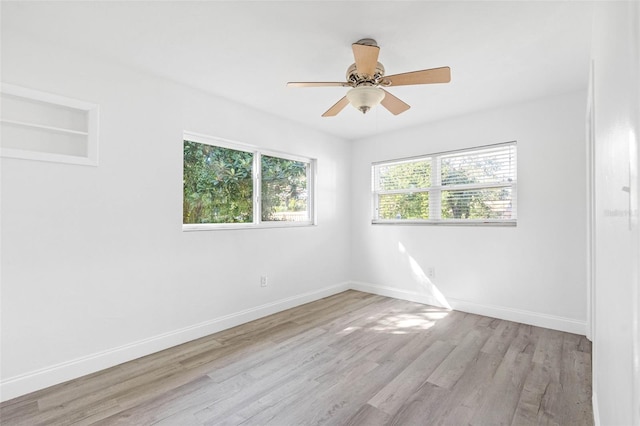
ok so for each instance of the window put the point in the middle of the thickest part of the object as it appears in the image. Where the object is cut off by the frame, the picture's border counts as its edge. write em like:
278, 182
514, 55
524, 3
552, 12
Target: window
284, 189
474, 186
228, 185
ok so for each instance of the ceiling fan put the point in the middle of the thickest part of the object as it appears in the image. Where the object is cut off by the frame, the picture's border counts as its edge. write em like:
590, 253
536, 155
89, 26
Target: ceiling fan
366, 79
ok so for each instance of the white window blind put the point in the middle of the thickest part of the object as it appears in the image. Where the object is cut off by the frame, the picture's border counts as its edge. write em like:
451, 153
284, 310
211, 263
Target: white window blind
471, 186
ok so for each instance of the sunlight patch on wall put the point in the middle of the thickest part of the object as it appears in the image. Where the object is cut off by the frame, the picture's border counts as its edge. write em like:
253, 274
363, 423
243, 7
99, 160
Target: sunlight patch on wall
426, 285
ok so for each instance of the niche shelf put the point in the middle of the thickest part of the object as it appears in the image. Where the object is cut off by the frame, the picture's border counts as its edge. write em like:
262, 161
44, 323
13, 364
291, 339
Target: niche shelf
46, 127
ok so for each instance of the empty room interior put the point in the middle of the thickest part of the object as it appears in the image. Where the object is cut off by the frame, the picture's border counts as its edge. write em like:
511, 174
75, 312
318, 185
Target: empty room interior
308, 212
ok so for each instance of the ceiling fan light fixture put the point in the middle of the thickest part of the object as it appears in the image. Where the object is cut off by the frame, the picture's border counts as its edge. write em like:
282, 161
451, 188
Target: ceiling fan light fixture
367, 78
363, 98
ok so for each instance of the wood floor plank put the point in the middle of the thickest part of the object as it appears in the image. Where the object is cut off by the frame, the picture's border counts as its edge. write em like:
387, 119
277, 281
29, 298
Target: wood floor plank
419, 406
354, 319
393, 395
503, 335
368, 416
267, 408
575, 378
353, 359
98, 382
259, 387
253, 360
163, 406
537, 399
454, 366
465, 322
501, 398
467, 395
538, 404
14, 410
337, 403
263, 324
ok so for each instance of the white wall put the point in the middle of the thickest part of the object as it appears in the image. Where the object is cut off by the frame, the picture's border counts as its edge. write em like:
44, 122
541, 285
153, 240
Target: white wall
534, 272
95, 266
616, 349
96, 269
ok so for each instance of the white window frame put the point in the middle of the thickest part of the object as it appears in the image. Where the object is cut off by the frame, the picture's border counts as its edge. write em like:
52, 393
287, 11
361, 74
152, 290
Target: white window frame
257, 223
436, 188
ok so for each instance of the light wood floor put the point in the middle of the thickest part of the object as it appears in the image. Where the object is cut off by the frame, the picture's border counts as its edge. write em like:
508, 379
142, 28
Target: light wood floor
349, 359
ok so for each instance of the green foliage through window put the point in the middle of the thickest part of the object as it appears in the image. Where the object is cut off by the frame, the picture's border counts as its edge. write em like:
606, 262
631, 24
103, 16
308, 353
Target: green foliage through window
284, 189
404, 206
218, 186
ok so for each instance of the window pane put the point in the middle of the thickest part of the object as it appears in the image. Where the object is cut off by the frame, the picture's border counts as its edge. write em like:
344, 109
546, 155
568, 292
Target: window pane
478, 185
408, 175
218, 184
492, 165
489, 203
403, 206
284, 190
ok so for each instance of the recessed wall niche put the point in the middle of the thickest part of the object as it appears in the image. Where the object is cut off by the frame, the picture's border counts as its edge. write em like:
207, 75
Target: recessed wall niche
46, 127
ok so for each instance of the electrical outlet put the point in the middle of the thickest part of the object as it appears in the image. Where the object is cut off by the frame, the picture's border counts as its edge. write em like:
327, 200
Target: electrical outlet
264, 281
431, 272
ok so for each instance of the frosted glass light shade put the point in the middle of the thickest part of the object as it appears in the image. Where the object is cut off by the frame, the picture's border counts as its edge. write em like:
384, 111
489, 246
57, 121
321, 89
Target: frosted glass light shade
364, 98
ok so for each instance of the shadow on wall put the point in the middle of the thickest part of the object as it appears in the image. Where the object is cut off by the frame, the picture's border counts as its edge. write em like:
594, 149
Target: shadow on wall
426, 286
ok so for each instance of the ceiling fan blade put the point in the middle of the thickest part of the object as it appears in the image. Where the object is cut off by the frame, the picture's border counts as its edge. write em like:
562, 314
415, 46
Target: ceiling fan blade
339, 106
393, 104
318, 84
366, 58
433, 75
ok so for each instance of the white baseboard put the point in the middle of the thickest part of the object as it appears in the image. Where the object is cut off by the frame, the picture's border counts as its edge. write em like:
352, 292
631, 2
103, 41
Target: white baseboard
569, 325
59, 373
553, 322
395, 293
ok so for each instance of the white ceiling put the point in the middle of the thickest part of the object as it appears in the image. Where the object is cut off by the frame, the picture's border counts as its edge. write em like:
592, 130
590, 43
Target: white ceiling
500, 53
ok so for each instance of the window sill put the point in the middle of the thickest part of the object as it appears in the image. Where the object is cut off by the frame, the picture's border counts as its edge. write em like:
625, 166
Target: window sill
476, 222
190, 227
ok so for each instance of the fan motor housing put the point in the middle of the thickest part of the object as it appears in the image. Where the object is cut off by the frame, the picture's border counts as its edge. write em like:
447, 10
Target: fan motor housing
357, 79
